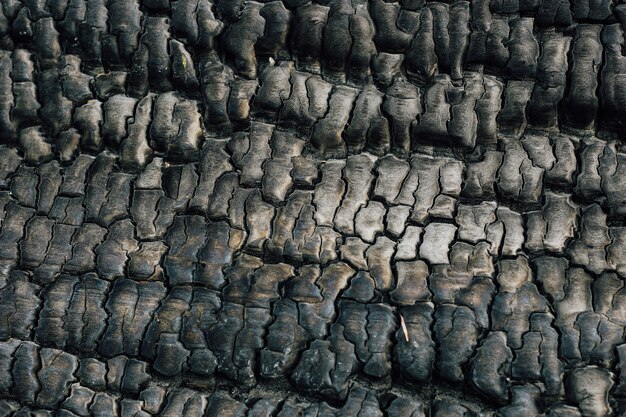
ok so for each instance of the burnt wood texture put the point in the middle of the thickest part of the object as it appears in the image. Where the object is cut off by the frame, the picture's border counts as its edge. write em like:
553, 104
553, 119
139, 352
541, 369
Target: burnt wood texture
372, 208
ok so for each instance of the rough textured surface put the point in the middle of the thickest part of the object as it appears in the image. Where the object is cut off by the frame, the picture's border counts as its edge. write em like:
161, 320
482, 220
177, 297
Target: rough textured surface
312, 208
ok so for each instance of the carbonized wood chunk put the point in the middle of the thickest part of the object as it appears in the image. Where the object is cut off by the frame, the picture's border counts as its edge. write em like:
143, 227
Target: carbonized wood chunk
390, 36
353, 252
259, 215
19, 306
403, 105
525, 401
184, 240
412, 285
612, 170
456, 336
379, 258
589, 390
564, 168
513, 236
582, 104
436, 242
369, 221
130, 306
588, 180
396, 219
27, 363
512, 118
592, 238
480, 177
491, 367
415, 350
543, 107
392, 173
473, 221
329, 192
368, 128
409, 244
551, 228
518, 178
326, 134
55, 376
309, 23
79, 399
51, 328
85, 319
